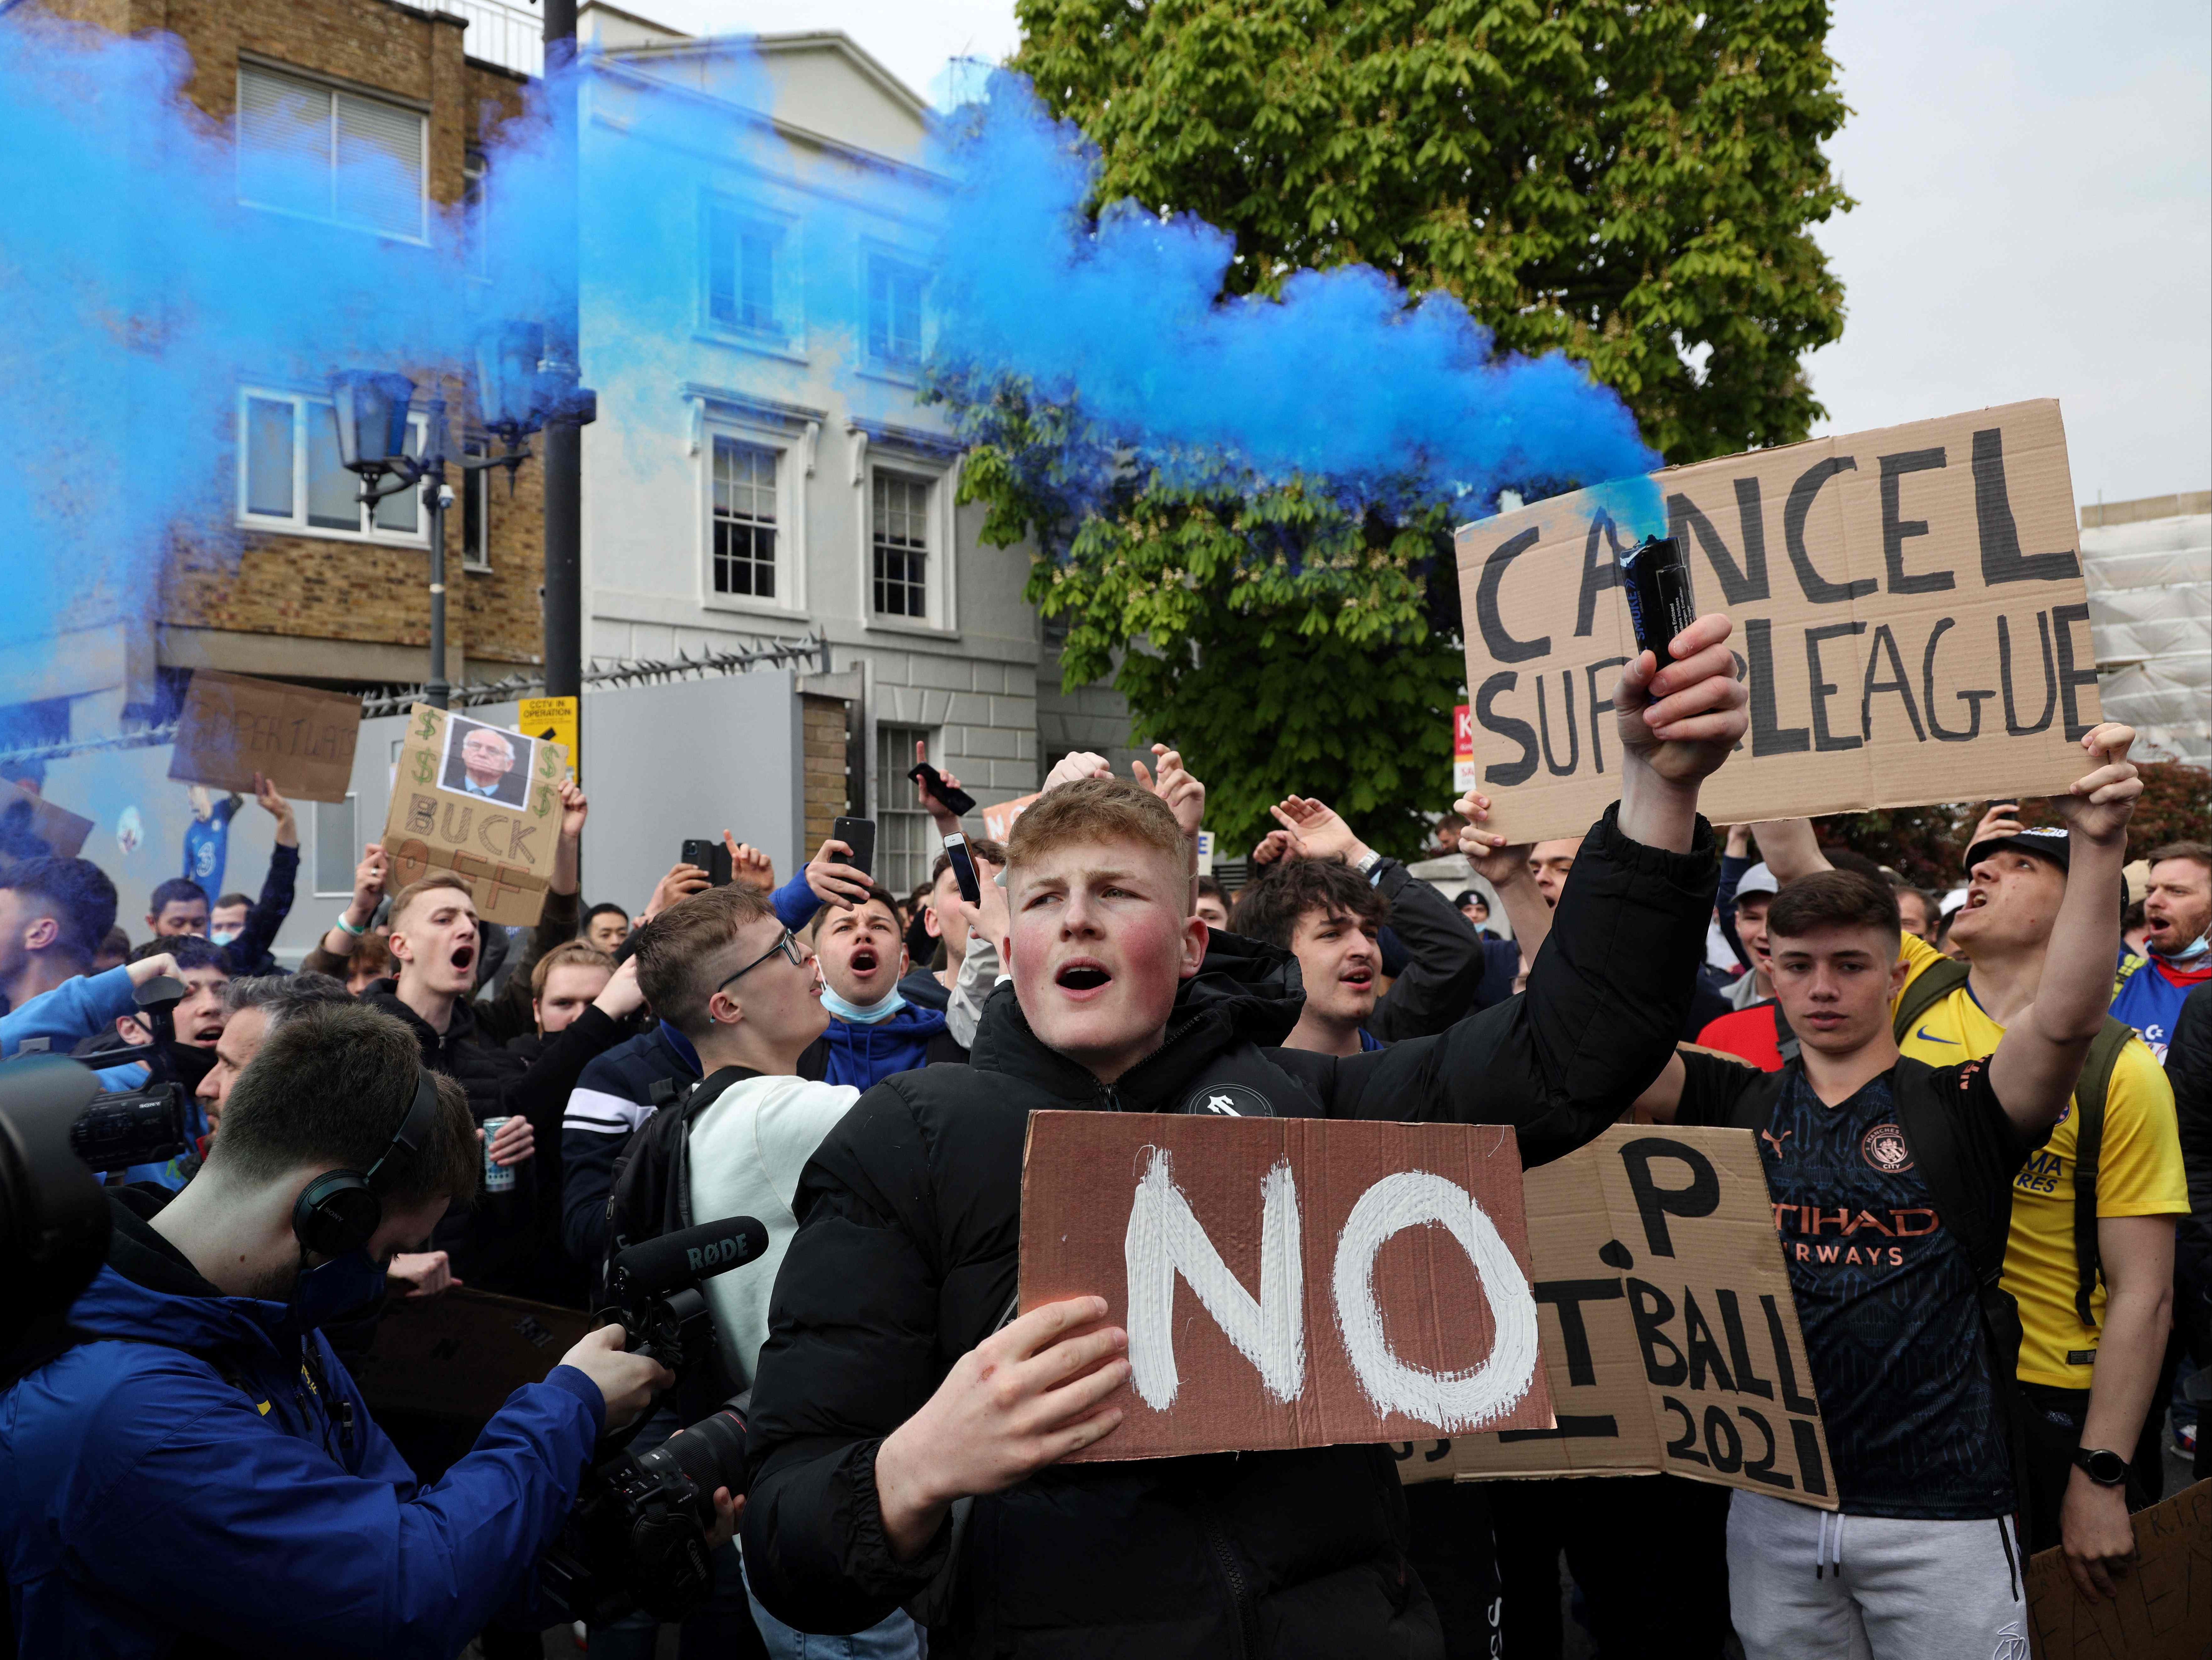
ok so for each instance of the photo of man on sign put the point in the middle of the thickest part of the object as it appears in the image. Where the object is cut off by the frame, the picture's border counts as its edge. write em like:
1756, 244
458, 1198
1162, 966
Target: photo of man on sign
486, 763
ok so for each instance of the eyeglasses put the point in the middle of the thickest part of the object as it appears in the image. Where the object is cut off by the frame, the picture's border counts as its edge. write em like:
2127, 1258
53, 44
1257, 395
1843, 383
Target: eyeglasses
788, 945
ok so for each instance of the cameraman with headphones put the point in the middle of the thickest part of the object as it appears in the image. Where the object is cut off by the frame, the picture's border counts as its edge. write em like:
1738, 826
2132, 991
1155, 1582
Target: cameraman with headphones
197, 1464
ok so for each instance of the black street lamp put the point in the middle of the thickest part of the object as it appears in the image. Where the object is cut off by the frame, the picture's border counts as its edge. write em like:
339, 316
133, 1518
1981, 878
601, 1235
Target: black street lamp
371, 411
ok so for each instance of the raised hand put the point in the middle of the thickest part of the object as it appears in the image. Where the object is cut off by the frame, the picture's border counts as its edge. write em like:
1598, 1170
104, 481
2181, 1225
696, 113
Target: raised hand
367, 884
575, 807
681, 881
749, 867
1275, 845
1320, 832
1682, 720
1177, 785
620, 998
834, 882
1076, 763
288, 826
1498, 862
947, 821
2097, 806
2002, 820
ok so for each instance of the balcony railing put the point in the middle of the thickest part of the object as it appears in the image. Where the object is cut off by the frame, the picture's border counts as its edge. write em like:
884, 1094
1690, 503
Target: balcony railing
502, 32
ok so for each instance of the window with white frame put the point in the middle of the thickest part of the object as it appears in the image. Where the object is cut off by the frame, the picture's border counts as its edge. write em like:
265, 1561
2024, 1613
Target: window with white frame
895, 313
475, 509
309, 148
743, 554
899, 539
741, 273
336, 850
290, 478
906, 843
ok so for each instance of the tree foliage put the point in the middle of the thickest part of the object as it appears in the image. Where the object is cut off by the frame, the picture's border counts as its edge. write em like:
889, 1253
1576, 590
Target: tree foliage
1928, 845
1633, 185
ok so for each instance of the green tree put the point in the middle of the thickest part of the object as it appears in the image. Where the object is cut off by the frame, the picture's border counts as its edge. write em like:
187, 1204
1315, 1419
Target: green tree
1632, 183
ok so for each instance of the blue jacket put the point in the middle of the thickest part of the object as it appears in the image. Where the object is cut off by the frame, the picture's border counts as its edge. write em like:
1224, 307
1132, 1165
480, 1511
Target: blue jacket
864, 1055
73, 1010
143, 1496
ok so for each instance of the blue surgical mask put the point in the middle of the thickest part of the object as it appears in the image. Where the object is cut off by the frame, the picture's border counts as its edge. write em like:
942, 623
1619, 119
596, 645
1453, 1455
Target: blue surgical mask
342, 1285
2189, 952
222, 936
863, 1014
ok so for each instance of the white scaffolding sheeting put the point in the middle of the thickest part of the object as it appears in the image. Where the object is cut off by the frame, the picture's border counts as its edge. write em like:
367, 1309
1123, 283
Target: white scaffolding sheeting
2150, 614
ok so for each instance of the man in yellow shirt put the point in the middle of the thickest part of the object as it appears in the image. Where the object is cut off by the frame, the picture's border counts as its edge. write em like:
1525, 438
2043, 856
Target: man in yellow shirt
2088, 1386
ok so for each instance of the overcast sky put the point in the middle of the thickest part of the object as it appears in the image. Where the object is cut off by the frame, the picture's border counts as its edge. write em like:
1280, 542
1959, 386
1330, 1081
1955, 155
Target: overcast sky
2035, 218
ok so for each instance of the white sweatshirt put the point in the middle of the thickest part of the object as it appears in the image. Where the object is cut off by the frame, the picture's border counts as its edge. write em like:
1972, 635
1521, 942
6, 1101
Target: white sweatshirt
747, 1150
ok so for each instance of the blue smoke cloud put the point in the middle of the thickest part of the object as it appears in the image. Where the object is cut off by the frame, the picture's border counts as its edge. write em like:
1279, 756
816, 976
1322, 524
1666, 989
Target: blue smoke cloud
1341, 380
137, 295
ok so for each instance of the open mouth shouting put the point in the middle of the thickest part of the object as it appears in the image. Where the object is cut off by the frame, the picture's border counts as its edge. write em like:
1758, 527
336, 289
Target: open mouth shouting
1083, 978
464, 957
864, 960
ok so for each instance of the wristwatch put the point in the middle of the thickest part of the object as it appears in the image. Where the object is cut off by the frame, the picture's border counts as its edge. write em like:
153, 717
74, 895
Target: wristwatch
1368, 861
2106, 1470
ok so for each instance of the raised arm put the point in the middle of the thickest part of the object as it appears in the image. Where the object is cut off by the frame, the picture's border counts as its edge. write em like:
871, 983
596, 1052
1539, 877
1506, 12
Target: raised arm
275, 904
2035, 1066
1610, 991
1790, 848
1504, 866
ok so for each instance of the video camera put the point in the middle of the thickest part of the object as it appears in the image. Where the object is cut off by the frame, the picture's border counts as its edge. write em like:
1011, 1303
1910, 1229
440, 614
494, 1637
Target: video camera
57, 1128
638, 1536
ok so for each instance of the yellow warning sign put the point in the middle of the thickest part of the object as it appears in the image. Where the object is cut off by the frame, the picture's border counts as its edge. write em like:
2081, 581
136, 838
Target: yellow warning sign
554, 718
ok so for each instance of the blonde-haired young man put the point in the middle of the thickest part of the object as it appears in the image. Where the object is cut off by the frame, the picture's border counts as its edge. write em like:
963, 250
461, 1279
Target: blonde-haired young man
894, 1393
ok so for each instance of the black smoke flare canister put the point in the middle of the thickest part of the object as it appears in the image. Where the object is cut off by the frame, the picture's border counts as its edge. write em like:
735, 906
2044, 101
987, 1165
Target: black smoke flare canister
1657, 579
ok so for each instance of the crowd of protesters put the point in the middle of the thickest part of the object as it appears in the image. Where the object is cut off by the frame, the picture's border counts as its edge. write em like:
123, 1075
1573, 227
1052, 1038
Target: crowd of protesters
856, 1069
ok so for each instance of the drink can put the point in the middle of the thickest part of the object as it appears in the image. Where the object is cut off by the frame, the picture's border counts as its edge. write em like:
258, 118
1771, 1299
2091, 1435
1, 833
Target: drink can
498, 1178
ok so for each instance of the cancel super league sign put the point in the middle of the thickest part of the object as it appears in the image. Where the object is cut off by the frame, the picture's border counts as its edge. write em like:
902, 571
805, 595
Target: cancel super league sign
1908, 613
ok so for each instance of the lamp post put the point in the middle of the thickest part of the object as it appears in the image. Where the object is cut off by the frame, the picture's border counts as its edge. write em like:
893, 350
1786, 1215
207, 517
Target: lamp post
370, 408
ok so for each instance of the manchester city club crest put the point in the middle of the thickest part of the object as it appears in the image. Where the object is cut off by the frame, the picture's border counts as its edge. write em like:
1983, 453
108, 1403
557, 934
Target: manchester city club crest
1883, 1147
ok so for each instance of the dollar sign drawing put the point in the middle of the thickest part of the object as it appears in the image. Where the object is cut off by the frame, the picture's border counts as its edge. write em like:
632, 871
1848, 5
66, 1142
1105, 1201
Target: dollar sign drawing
426, 767
545, 801
548, 767
429, 725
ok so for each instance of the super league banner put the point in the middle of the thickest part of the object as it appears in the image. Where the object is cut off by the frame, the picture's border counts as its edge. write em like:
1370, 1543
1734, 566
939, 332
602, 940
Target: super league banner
1909, 612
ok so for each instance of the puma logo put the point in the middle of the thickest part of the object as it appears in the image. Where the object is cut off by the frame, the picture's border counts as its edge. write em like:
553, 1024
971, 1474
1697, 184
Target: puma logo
1774, 1140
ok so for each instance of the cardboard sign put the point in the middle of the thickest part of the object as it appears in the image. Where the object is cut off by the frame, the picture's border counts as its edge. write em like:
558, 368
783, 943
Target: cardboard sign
1909, 614
1463, 767
480, 801
300, 739
32, 827
554, 719
1289, 1282
1668, 1331
461, 1353
2164, 1609
999, 818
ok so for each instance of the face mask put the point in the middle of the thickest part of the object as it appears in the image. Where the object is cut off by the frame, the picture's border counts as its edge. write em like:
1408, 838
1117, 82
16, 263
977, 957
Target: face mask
863, 1014
337, 1288
2189, 952
222, 936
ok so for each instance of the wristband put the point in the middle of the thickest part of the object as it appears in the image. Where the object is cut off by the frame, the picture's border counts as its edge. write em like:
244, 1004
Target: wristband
349, 927
1368, 863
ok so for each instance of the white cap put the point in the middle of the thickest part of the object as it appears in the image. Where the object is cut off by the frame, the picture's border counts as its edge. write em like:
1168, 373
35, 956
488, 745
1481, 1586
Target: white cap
1757, 880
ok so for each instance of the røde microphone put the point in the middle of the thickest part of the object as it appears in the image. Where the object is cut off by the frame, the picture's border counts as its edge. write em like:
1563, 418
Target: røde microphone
677, 1261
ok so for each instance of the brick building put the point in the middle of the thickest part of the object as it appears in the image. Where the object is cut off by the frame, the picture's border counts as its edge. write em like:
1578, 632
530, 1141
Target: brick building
309, 586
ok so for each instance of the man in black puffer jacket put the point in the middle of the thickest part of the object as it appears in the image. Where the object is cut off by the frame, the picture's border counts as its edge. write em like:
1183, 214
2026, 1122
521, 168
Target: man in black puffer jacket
904, 1427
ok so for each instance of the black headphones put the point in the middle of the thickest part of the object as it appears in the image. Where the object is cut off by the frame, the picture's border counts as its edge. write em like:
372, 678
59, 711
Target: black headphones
338, 1212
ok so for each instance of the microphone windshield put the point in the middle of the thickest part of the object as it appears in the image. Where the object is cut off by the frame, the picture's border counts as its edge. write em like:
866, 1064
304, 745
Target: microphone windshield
678, 1261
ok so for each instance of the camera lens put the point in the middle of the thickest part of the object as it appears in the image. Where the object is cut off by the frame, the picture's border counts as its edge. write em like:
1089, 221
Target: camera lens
711, 1453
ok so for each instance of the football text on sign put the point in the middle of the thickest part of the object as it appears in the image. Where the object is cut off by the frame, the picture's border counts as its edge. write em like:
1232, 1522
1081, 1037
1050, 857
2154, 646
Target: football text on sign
1909, 611
1669, 1333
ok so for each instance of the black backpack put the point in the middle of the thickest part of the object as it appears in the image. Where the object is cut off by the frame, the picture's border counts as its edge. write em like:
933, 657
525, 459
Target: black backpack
650, 1192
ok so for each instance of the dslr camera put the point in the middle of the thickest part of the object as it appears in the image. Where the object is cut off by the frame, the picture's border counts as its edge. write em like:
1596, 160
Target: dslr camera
637, 1538
57, 1129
